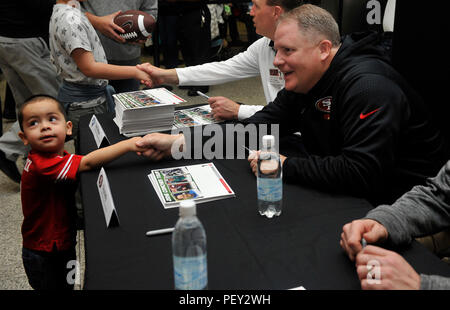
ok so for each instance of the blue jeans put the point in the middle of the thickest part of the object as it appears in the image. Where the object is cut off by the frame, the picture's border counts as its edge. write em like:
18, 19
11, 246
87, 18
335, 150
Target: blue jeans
48, 270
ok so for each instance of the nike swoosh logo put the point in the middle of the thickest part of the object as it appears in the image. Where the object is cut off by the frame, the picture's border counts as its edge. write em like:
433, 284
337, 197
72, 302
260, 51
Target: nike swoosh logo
363, 116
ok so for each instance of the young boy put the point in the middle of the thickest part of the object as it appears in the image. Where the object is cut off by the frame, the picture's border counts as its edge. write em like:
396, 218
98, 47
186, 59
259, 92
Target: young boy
48, 190
81, 63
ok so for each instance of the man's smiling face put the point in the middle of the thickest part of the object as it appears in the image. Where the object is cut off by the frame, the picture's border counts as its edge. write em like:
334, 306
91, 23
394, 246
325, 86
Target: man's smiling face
298, 57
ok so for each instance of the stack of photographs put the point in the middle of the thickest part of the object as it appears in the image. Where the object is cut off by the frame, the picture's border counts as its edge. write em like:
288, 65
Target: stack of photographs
145, 111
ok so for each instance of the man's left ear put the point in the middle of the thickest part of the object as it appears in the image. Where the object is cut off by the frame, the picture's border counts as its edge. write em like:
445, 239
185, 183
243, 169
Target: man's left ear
325, 49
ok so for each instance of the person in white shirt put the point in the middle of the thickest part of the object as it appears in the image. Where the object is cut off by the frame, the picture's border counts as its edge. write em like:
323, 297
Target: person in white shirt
256, 60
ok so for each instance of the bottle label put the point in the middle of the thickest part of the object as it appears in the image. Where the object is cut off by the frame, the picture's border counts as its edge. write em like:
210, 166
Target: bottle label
270, 189
190, 273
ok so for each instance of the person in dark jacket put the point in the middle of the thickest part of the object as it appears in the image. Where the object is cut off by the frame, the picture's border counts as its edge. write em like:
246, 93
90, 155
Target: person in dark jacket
364, 131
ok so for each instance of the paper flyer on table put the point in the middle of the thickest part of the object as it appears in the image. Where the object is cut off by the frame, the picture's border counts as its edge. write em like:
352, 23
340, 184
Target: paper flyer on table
201, 182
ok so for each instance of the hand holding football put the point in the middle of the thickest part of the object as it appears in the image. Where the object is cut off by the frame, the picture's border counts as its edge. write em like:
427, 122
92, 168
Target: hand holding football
138, 25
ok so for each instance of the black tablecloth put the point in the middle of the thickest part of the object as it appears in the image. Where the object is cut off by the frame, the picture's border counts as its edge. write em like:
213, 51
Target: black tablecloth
245, 250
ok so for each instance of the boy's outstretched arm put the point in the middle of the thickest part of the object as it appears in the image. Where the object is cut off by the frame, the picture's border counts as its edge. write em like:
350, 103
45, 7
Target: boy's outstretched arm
105, 155
88, 66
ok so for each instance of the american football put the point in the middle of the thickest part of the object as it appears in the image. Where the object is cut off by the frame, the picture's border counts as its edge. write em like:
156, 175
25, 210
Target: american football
138, 25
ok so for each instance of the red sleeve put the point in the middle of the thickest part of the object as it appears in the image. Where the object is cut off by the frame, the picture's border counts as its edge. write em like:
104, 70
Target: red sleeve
59, 168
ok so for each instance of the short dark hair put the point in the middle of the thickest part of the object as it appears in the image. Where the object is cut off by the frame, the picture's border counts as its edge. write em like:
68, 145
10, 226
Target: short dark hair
37, 98
313, 19
288, 5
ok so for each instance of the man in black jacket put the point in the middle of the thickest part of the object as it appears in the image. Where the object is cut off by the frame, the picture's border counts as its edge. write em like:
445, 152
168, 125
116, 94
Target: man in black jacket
364, 131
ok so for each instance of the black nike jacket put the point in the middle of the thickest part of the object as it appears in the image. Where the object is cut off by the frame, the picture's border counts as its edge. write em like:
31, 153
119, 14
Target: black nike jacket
366, 132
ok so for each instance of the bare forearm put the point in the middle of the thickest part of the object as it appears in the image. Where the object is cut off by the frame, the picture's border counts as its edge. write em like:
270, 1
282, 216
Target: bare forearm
104, 155
100, 70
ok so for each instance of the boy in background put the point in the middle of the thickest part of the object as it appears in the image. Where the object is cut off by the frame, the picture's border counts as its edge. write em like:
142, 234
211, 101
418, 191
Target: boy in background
48, 190
81, 62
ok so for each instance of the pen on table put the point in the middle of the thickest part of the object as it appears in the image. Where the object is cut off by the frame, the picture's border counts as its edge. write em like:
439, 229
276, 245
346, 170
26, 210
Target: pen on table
159, 231
202, 94
251, 151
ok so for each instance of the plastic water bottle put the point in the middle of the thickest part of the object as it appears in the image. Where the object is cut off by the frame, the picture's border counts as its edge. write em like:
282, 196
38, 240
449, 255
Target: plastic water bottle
269, 179
189, 250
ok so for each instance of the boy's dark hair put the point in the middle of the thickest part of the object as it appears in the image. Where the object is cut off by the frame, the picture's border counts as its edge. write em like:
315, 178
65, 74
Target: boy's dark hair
288, 5
36, 98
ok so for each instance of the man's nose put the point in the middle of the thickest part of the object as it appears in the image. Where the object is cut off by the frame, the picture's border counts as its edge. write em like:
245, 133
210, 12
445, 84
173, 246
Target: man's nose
251, 11
278, 60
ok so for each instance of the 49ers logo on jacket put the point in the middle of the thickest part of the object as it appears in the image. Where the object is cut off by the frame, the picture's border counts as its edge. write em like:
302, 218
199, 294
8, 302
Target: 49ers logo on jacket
324, 105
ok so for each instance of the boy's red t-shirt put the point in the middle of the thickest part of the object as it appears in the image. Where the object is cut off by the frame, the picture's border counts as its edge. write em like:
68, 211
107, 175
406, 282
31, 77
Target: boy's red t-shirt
48, 201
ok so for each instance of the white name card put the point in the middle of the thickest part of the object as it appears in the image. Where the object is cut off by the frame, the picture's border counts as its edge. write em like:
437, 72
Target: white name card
107, 201
98, 132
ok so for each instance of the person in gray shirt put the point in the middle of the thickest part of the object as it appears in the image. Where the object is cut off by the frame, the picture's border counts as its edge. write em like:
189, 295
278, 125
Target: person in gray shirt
101, 14
420, 212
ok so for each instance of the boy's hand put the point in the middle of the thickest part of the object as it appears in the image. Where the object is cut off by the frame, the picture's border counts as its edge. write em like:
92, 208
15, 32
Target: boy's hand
158, 76
142, 76
158, 145
134, 146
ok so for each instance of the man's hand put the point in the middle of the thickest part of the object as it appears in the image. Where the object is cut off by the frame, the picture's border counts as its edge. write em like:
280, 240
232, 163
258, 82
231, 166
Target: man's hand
223, 108
159, 146
158, 76
253, 159
388, 270
353, 232
105, 24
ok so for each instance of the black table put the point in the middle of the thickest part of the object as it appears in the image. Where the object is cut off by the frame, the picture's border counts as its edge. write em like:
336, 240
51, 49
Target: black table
245, 250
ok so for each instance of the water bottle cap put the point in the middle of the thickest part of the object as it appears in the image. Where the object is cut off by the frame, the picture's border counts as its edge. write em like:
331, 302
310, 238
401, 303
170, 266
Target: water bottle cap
187, 208
268, 140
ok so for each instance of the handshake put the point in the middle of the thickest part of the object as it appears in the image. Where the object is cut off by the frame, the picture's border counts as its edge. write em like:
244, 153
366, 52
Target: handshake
222, 108
152, 76
155, 146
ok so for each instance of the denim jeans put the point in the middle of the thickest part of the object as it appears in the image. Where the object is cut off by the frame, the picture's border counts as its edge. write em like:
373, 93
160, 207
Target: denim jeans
48, 270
